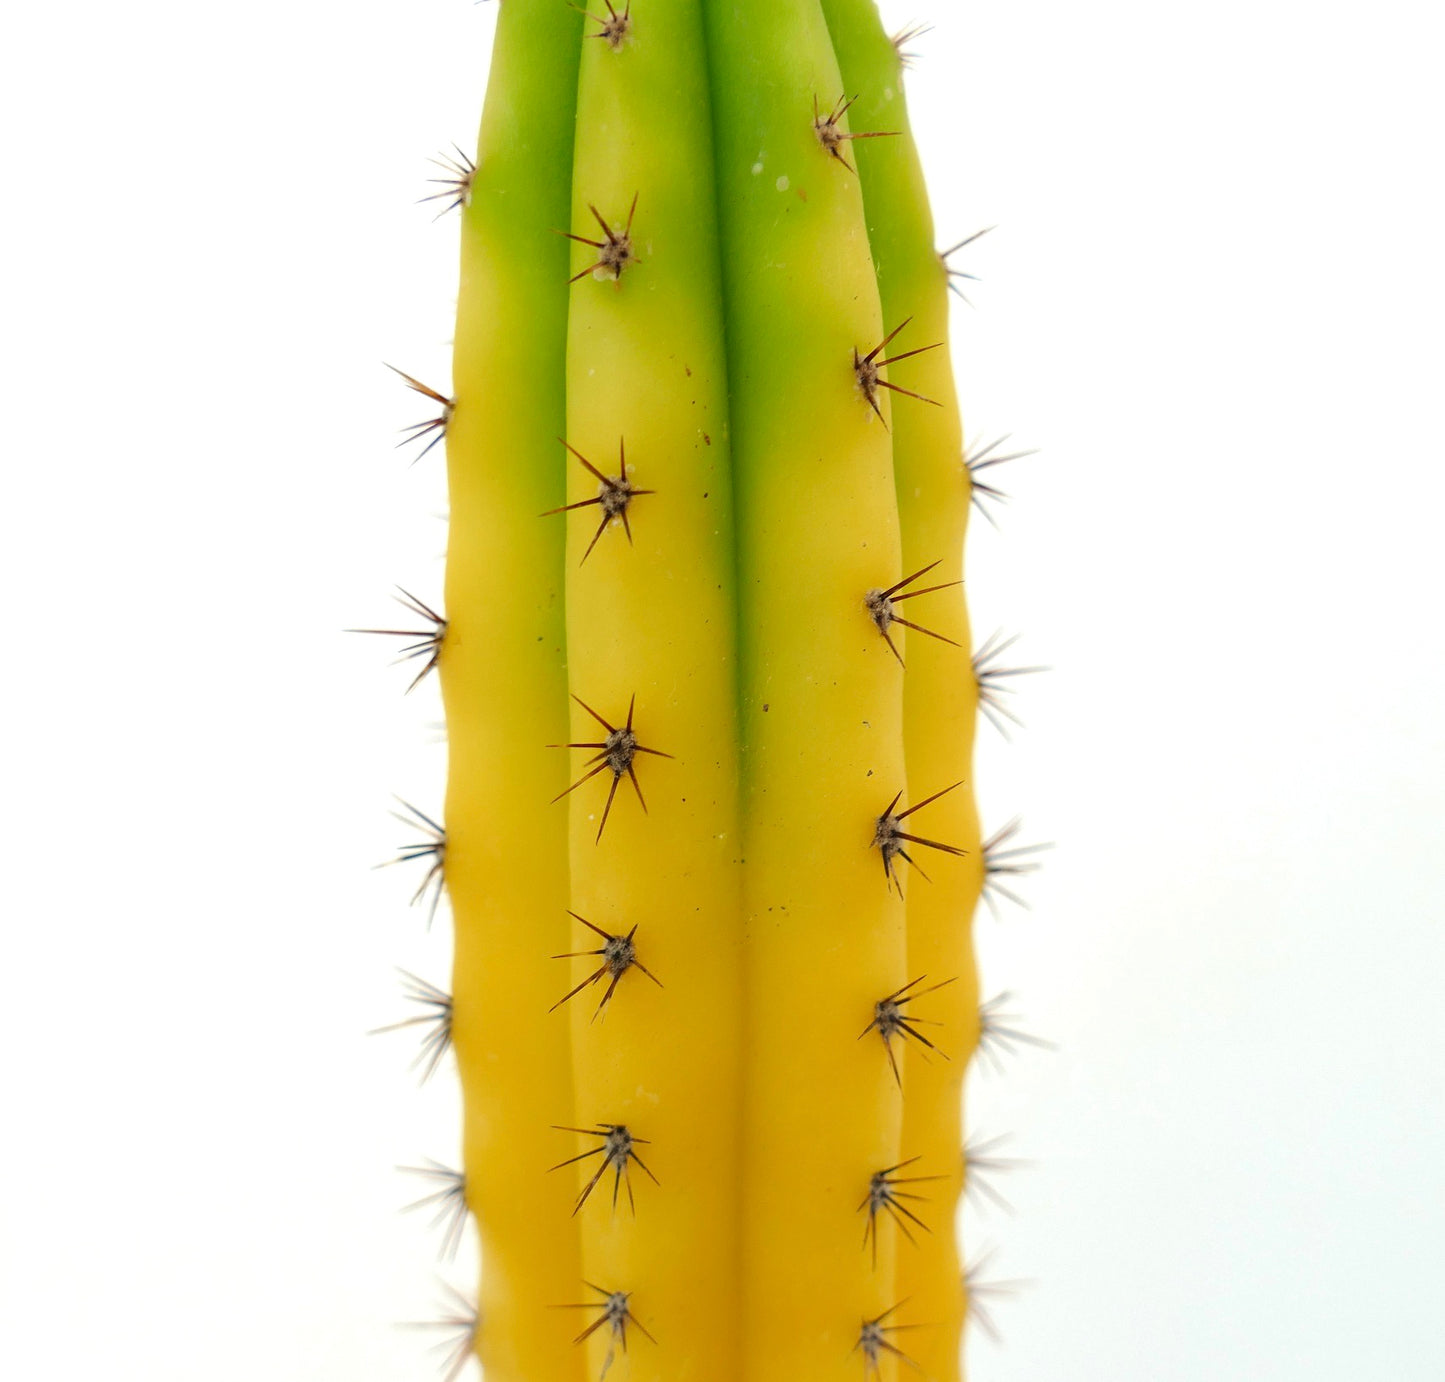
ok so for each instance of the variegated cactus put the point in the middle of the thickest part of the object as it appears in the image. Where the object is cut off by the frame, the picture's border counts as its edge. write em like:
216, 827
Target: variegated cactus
709, 707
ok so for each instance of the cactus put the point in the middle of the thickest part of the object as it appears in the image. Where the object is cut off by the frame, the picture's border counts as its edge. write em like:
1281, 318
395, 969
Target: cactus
710, 845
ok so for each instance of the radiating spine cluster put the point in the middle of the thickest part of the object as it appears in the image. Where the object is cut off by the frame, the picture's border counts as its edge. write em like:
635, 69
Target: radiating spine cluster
693, 758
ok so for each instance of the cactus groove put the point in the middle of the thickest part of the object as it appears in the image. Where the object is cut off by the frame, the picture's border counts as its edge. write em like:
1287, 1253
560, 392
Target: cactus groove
702, 446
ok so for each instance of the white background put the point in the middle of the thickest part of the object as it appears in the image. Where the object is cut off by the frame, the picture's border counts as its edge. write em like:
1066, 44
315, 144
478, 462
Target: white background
1213, 302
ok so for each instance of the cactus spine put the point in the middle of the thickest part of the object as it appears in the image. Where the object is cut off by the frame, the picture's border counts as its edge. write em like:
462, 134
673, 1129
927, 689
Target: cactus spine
703, 445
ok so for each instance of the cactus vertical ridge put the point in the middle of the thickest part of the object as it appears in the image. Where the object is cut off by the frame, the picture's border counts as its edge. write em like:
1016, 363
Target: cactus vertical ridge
702, 445
940, 693
651, 627
505, 691
822, 695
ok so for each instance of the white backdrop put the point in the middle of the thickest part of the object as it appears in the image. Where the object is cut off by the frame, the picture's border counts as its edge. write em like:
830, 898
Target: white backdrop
1214, 302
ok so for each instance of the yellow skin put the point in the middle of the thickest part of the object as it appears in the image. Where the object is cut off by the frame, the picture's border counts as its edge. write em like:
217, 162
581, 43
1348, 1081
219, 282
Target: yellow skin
653, 618
822, 699
940, 695
719, 343
505, 687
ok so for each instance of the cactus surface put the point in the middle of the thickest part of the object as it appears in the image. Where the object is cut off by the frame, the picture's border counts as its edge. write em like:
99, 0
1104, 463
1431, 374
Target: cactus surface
710, 845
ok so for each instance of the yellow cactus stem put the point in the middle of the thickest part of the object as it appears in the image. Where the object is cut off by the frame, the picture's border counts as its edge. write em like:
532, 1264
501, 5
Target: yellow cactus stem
940, 692
709, 835
822, 695
502, 668
651, 629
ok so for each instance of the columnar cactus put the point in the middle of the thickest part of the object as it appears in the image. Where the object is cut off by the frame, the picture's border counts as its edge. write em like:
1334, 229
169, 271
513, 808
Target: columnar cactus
709, 705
